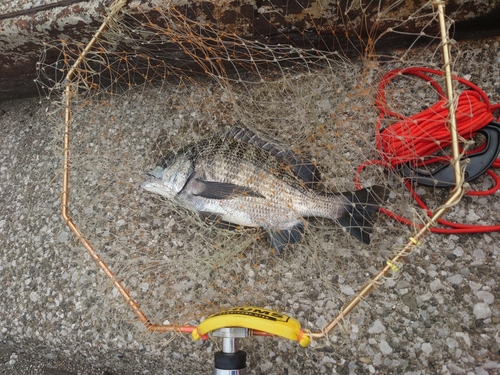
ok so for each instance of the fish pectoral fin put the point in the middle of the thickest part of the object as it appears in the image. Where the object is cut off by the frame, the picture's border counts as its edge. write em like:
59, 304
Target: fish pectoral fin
283, 237
216, 220
222, 190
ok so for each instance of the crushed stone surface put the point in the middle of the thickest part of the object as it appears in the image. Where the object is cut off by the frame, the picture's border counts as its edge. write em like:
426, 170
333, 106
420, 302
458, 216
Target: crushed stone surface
60, 315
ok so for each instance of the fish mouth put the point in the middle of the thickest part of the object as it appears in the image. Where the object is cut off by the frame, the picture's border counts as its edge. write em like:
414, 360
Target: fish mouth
152, 180
149, 184
155, 185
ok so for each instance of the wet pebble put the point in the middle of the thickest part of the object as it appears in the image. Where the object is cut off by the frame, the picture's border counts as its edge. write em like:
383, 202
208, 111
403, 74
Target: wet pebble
485, 296
377, 327
426, 348
455, 279
482, 310
385, 348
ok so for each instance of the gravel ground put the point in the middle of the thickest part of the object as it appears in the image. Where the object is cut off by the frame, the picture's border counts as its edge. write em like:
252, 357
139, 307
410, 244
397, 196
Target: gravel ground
59, 315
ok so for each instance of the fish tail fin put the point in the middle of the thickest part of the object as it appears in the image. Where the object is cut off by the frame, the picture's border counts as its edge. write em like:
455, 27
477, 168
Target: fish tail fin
361, 205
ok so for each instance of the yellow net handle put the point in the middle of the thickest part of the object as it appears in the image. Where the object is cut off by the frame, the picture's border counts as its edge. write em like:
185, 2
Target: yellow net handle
255, 318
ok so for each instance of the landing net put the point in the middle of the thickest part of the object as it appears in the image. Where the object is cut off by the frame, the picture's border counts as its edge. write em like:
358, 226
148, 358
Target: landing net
164, 75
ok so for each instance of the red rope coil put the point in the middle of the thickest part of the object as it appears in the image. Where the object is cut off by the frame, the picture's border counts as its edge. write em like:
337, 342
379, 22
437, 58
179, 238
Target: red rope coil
415, 139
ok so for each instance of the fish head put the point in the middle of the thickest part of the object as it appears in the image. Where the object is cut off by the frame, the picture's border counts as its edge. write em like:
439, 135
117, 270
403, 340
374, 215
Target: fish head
168, 180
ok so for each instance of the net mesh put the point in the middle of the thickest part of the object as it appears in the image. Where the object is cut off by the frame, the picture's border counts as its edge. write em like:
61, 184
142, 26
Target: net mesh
161, 78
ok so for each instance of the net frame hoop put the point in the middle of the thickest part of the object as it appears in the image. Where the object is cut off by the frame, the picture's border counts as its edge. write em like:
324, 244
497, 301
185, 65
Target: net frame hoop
456, 194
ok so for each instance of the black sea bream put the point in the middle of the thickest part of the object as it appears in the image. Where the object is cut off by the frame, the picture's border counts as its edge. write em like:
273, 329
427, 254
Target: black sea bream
239, 178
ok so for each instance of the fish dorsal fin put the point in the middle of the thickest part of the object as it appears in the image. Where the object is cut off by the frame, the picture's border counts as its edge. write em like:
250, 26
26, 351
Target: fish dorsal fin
301, 166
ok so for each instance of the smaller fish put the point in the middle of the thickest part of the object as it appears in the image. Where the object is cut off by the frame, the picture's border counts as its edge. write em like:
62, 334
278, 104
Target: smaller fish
242, 179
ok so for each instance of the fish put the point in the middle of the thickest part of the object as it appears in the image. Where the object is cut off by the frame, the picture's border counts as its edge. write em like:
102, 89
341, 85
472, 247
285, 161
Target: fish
241, 178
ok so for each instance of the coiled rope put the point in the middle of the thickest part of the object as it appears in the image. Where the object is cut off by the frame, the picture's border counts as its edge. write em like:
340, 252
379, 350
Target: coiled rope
415, 139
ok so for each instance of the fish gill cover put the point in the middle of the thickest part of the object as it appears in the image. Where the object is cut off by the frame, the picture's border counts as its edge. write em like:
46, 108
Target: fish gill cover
163, 79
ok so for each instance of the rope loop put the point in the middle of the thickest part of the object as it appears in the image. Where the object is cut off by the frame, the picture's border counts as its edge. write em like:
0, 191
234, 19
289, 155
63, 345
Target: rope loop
415, 139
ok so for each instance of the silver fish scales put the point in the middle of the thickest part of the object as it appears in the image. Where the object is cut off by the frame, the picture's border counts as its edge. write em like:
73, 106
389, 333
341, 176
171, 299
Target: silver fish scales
240, 178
